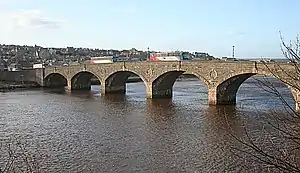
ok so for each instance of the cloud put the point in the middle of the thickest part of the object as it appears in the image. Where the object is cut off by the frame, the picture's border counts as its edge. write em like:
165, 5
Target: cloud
33, 19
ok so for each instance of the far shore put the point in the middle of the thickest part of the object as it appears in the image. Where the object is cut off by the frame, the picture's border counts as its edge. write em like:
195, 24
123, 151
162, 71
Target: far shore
8, 86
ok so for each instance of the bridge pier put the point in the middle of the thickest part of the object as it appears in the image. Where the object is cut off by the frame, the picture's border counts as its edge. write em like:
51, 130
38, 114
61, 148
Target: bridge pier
298, 106
69, 85
217, 97
296, 95
212, 96
158, 92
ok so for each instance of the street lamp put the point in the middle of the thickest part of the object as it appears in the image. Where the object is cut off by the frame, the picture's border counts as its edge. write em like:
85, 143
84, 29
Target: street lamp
148, 55
233, 51
22, 79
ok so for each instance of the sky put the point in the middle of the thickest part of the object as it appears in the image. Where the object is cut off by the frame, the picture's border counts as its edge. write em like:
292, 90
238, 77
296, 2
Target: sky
212, 26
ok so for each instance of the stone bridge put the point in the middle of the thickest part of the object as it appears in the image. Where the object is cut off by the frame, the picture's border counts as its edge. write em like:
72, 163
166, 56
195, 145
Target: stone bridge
222, 79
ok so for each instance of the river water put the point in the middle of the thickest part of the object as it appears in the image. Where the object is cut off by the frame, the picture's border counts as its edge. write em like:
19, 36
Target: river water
85, 132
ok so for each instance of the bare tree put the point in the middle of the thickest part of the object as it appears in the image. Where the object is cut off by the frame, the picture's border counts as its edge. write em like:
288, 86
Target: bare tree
278, 146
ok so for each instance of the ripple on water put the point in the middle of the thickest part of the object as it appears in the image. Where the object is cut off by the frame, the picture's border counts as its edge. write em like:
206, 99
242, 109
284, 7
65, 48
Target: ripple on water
81, 132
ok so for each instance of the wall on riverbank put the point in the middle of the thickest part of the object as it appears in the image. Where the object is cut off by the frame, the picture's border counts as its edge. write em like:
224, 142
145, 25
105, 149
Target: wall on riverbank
25, 76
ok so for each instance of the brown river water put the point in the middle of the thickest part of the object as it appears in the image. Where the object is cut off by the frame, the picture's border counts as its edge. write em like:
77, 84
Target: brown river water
87, 132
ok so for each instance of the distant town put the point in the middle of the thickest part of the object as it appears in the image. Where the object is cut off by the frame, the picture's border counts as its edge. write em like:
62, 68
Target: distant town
16, 57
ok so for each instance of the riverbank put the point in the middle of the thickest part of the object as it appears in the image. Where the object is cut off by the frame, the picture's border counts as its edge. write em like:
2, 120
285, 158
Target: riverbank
11, 86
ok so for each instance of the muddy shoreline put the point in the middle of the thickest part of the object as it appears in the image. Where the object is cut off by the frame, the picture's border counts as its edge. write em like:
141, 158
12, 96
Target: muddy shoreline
12, 86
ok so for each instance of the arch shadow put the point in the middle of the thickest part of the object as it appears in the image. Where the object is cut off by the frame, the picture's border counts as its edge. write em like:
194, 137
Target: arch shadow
162, 86
259, 84
226, 91
55, 80
83, 80
115, 83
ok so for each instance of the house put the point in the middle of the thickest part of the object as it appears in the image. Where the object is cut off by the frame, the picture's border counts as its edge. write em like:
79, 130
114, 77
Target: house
2, 66
12, 67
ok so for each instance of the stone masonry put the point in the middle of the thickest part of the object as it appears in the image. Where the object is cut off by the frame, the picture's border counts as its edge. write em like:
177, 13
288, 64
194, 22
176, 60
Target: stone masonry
221, 78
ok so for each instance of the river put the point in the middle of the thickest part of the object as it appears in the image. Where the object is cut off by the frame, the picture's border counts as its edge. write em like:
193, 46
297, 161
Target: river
85, 132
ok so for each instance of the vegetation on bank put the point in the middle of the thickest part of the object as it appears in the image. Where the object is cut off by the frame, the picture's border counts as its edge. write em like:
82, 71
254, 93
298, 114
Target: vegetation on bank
277, 148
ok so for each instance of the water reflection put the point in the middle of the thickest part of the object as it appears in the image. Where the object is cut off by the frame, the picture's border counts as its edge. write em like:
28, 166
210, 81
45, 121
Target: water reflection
160, 111
114, 98
56, 90
184, 137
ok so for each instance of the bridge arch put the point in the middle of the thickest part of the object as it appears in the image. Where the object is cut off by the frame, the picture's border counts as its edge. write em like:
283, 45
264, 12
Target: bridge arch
226, 91
56, 80
162, 86
115, 82
82, 80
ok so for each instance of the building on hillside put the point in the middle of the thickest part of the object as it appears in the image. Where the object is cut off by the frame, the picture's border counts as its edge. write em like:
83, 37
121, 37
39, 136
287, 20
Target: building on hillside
12, 67
2, 67
202, 56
